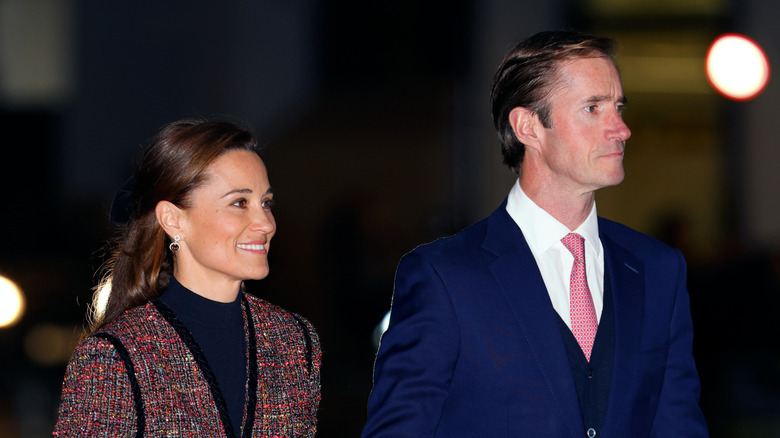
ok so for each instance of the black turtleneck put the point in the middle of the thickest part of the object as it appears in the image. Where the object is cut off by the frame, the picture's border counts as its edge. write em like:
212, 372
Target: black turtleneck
218, 328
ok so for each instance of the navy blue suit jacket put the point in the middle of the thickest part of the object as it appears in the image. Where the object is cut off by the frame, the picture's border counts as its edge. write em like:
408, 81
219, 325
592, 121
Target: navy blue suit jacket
474, 347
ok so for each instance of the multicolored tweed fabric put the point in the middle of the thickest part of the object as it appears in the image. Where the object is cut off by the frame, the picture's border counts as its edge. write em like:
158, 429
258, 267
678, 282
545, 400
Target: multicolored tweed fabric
97, 398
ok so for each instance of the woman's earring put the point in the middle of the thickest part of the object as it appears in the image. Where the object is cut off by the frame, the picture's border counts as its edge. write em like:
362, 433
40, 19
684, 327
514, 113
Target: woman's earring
174, 246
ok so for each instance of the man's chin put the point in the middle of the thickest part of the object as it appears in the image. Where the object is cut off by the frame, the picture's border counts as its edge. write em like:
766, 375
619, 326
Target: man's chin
615, 179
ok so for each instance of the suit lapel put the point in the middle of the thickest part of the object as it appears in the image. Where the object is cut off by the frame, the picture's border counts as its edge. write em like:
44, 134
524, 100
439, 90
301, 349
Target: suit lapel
627, 280
521, 283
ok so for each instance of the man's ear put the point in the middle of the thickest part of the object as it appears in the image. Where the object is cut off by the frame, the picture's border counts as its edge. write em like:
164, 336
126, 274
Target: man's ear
170, 217
526, 126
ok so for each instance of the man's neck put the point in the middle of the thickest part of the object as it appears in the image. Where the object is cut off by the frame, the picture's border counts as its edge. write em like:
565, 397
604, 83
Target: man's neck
568, 208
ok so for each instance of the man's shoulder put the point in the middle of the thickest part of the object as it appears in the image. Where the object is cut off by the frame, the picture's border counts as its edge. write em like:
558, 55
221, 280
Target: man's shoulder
632, 240
470, 237
475, 244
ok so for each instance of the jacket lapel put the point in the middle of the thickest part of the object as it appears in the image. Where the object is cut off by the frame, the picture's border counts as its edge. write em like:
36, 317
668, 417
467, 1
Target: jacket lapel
627, 280
521, 283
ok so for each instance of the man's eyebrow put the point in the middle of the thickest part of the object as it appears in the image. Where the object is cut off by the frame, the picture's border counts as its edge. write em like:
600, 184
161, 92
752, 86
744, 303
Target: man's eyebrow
603, 98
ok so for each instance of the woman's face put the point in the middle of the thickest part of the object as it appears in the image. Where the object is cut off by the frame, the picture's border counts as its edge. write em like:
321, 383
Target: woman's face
225, 234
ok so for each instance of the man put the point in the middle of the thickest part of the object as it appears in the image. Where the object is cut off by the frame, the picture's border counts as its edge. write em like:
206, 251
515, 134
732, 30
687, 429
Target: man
543, 319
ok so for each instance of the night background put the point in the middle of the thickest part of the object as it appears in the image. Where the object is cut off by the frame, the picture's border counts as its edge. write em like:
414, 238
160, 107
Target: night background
377, 134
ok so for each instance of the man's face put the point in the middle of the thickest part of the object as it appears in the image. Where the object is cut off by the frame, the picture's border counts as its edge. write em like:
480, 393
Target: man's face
583, 149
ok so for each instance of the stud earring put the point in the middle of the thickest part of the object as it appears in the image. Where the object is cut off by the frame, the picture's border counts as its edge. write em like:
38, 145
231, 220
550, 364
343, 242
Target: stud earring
174, 246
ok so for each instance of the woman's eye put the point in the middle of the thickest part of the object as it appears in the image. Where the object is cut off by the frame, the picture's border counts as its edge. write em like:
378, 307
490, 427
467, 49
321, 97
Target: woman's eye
268, 203
241, 203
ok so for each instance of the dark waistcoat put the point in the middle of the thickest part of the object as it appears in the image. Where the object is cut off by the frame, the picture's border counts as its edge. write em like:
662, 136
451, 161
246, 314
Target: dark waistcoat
592, 378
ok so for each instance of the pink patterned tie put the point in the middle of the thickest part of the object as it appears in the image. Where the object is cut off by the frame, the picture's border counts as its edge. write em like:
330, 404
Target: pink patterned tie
583, 314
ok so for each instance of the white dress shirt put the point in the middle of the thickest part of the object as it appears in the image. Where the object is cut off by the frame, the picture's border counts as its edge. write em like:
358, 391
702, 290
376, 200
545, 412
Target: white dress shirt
543, 233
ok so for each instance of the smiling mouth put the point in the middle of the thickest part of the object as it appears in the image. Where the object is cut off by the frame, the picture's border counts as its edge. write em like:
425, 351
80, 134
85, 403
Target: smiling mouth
250, 247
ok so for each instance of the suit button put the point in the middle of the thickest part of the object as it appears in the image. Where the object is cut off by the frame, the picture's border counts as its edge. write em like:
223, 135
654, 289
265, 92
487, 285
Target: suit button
590, 372
591, 432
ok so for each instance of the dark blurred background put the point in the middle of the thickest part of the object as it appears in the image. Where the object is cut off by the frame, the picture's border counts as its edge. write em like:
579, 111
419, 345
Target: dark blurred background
376, 124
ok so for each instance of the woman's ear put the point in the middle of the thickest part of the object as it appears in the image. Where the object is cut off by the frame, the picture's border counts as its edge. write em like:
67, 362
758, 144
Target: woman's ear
170, 217
525, 124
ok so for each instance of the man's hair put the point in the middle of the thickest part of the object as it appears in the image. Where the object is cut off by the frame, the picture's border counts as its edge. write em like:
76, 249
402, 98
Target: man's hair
527, 76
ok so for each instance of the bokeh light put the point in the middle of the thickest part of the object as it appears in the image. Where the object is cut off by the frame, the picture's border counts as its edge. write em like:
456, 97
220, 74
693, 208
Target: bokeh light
11, 303
737, 67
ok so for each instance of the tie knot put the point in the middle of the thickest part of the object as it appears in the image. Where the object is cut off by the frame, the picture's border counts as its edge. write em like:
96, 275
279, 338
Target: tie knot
575, 244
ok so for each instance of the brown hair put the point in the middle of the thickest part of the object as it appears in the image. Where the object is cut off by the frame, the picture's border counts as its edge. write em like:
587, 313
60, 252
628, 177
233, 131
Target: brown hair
527, 76
170, 168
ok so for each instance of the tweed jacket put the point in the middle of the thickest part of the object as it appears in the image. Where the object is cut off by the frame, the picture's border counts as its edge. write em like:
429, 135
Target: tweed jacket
144, 375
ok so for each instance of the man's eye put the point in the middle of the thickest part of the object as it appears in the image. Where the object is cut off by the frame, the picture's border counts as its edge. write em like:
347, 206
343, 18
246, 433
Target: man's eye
241, 203
620, 108
591, 108
268, 203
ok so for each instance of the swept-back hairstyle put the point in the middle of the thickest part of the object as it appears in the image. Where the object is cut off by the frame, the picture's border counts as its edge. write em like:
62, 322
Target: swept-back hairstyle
171, 167
527, 76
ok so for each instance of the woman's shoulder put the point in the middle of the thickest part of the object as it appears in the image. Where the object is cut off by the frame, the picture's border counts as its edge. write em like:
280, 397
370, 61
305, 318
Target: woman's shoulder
269, 311
110, 343
276, 321
132, 321
137, 330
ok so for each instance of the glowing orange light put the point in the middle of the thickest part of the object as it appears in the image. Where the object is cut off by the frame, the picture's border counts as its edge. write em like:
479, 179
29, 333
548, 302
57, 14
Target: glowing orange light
737, 67
11, 303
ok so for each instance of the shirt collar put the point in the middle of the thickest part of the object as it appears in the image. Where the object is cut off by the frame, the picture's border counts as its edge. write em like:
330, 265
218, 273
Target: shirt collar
547, 231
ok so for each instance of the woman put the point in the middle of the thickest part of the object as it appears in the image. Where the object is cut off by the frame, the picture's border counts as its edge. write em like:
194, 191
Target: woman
180, 349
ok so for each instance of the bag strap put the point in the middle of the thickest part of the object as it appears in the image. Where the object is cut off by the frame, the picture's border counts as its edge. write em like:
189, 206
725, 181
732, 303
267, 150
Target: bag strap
137, 399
